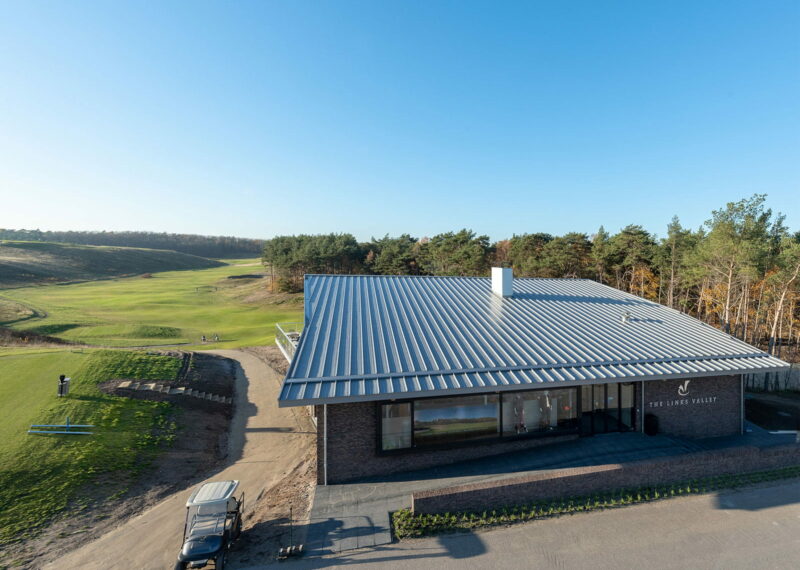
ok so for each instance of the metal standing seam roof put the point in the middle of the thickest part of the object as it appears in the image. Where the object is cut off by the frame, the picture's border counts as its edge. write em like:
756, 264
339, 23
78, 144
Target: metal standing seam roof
391, 337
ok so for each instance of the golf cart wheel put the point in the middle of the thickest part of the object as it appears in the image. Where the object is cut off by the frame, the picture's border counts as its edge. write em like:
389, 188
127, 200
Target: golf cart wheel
221, 560
238, 530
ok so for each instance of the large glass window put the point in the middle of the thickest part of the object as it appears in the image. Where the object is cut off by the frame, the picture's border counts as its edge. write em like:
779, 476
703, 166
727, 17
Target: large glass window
446, 420
396, 426
607, 408
441, 421
626, 396
539, 411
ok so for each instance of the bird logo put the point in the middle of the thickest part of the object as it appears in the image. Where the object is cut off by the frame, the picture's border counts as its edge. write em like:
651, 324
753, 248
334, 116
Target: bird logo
683, 389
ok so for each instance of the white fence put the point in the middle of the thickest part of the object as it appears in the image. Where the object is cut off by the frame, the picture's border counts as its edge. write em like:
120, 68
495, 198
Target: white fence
788, 380
287, 337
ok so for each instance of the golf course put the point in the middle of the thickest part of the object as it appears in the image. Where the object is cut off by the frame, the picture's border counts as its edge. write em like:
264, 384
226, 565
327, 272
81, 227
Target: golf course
115, 327
169, 308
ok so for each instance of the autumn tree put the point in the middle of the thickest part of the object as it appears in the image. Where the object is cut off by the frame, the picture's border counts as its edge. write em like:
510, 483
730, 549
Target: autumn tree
733, 254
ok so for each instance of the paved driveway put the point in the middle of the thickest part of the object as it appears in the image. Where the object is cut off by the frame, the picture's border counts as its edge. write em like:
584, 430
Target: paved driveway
750, 529
356, 515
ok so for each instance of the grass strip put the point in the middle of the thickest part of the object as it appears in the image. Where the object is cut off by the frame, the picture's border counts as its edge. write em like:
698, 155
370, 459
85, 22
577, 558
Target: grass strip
407, 524
45, 476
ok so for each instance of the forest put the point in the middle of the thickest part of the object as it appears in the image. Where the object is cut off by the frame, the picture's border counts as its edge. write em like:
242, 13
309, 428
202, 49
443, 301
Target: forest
740, 271
204, 246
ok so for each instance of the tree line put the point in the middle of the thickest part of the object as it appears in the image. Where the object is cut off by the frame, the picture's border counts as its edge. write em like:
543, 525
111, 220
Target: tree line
203, 246
740, 271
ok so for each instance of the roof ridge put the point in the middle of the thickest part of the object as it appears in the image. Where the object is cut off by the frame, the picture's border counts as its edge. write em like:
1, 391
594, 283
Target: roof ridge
488, 277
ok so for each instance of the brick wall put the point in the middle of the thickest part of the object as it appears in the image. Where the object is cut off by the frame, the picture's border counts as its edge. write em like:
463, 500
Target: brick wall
705, 407
352, 446
710, 408
599, 478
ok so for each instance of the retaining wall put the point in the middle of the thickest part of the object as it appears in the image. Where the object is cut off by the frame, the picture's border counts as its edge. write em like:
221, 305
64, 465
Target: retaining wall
599, 478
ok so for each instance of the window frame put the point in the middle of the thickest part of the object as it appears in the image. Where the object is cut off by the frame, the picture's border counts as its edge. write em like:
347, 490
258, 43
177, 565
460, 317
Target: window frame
502, 436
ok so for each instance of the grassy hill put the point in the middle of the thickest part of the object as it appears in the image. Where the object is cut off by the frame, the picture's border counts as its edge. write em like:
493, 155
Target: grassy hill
41, 476
25, 263
175, 307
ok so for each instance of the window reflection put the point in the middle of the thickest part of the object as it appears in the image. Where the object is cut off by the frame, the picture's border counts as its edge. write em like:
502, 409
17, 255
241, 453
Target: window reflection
396, 426
445, 420
626, 395
539, 411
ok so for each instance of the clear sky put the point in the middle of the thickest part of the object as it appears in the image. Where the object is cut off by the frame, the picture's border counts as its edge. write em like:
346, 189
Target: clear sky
264, 118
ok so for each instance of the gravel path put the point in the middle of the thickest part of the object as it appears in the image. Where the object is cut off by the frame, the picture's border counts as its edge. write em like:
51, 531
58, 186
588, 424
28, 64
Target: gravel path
266, 443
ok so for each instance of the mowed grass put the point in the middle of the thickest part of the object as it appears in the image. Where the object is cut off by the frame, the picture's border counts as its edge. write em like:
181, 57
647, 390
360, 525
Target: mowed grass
168, 308
42, 475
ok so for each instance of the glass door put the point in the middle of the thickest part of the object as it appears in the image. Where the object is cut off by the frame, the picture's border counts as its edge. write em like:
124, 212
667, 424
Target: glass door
599, 415
587, 409
606, 408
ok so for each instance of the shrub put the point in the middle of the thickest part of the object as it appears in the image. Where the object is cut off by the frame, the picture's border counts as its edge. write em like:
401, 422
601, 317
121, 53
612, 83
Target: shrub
410, 525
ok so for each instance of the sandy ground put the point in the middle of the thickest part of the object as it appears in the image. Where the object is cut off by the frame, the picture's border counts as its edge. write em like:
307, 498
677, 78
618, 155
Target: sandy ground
269, 450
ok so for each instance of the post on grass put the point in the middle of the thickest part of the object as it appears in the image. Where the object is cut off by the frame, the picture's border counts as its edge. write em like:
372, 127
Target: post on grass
63, 386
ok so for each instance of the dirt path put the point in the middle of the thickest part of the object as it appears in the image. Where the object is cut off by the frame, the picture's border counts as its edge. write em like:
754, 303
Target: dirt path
266, 444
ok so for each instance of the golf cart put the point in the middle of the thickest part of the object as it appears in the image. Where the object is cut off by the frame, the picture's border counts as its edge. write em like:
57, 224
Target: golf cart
213, 522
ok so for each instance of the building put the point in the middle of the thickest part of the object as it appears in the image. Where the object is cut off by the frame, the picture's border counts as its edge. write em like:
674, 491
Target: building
412, 372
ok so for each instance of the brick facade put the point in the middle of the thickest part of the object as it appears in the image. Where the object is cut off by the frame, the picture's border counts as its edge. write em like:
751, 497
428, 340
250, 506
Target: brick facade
711, 407
353, 442
697, 407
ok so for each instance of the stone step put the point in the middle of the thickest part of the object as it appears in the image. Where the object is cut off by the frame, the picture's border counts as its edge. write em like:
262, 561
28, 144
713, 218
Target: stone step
179, 391
135, 386
149, 386
126, 384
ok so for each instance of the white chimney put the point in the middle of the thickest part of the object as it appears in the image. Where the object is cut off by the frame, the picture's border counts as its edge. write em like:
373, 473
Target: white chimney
502, 281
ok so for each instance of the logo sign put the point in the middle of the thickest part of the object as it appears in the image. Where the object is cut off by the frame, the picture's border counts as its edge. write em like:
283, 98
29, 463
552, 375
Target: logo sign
683, 399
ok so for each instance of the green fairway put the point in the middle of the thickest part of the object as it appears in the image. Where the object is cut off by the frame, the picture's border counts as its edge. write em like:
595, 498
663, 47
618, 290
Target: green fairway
41, 475
175, 307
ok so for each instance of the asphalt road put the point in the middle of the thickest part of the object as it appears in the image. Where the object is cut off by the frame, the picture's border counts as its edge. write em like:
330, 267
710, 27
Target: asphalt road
264, 447
749, 529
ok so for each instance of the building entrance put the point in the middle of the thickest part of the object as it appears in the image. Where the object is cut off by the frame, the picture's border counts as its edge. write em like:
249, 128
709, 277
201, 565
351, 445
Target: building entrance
607, 408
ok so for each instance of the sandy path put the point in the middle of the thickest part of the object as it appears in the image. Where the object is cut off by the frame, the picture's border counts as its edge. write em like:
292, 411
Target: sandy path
264, 447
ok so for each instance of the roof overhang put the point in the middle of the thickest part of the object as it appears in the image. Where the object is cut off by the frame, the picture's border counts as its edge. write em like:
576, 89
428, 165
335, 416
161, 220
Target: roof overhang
428, 390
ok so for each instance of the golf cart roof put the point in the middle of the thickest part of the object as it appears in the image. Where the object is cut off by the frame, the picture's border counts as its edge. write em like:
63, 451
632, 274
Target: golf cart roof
212, 493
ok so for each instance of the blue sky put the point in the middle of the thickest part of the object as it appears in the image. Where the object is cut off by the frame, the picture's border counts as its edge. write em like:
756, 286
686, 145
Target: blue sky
264, 118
